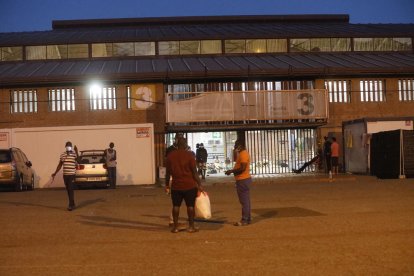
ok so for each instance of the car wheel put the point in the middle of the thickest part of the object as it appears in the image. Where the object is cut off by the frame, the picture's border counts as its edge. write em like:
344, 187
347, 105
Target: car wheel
19, 185
31, 186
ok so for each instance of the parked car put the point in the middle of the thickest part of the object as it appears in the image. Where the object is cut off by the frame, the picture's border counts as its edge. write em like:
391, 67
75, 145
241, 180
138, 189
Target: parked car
91, 169
16, 170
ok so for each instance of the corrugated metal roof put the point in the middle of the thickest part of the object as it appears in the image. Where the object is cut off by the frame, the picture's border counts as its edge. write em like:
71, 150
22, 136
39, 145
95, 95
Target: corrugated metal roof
232, 27
180, 68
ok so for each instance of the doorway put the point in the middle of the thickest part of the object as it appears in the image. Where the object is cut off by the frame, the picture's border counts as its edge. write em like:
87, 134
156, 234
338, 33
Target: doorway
271, 151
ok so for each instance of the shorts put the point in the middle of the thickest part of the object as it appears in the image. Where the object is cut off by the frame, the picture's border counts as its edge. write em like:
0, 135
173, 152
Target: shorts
189, 197
334, 161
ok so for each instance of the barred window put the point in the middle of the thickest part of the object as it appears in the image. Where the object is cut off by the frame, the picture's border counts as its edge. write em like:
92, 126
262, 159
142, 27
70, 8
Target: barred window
23, 101
338, 90
406, 90
372, 90
61, 99
102, 98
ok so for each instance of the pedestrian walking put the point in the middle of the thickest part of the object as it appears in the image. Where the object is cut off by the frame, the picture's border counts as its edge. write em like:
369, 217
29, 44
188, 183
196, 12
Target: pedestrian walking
201, 156
110, 156
68, 160
185, 184
241, 172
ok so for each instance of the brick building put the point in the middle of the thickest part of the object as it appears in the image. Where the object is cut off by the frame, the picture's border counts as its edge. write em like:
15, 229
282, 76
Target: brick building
279, 82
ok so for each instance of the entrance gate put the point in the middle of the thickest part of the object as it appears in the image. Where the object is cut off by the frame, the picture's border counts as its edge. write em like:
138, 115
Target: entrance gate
280, 151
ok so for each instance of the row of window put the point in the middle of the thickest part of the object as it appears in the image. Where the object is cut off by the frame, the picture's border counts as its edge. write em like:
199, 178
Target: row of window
104, 98
369, 90
100, 98
339, 91
200, 47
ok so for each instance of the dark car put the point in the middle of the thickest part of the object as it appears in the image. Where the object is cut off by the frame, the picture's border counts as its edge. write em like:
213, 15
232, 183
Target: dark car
91, 169
16, 170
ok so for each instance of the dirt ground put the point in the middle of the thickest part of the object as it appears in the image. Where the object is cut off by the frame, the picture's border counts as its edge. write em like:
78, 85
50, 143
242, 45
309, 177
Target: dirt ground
302, 225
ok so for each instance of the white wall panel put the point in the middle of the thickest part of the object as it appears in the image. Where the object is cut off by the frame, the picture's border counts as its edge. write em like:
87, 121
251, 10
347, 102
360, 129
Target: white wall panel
135, 153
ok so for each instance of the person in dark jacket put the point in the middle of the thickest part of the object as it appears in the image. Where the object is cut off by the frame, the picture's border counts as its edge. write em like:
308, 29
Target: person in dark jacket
201, 157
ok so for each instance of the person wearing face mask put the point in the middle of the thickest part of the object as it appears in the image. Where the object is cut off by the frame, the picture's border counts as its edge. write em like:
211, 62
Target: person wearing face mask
110, 155
68, 161
241, 172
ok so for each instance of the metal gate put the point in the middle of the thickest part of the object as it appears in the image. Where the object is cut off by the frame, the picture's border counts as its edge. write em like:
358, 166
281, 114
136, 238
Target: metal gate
280, 151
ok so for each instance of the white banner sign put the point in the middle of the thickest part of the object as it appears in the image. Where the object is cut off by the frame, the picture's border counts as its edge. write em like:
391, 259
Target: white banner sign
246, 105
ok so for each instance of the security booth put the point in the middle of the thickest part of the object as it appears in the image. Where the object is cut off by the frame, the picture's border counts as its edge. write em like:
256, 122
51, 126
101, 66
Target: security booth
357, 137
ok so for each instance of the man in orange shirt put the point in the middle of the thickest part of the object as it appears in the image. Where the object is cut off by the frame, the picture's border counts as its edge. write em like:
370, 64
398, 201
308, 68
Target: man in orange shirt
241, 172
334, 155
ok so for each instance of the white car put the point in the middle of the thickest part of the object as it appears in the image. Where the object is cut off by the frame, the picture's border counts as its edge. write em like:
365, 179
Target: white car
91, 169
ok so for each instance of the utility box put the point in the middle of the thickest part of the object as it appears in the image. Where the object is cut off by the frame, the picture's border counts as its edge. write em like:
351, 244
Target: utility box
392, 154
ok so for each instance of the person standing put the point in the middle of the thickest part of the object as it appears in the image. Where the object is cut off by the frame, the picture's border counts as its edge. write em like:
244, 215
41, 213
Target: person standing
201, 156
185, 184
241, 172
68, 161
110, 157
327, 154
334, 155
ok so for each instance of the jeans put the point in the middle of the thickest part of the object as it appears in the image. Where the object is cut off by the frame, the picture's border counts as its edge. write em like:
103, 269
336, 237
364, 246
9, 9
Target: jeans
112, 177
68, 179
243, 192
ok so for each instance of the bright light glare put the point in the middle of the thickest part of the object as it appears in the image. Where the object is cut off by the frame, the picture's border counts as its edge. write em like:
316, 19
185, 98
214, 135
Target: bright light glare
95, 89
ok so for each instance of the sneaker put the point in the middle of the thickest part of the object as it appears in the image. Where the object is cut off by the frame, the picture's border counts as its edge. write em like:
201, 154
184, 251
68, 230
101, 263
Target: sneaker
241, 223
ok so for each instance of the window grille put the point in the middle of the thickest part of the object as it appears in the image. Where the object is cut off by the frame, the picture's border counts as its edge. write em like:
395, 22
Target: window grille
61, 99
23, 101
338, 90
406, 90
372, 90
102, 98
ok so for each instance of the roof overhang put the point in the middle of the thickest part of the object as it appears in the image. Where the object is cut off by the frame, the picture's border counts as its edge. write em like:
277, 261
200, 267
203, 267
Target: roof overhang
193, 68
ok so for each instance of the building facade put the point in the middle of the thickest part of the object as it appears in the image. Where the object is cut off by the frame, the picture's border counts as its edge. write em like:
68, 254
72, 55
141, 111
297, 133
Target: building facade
279, 82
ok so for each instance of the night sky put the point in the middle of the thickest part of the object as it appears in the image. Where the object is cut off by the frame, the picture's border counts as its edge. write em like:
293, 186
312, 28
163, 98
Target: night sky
37, 15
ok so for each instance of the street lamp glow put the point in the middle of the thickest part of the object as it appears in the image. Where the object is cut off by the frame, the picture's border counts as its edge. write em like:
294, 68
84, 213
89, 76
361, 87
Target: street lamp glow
95, 89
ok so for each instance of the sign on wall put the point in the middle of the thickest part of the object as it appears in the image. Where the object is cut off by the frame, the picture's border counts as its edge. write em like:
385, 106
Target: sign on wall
143, 132
143, 96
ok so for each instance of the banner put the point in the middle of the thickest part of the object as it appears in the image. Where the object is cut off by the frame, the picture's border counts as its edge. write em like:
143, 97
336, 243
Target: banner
246, 105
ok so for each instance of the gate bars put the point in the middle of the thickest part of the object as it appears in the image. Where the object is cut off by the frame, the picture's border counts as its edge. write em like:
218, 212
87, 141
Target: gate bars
280, 151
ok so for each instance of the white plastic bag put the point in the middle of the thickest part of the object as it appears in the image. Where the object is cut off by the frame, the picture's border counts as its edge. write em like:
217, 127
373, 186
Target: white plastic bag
202, 206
